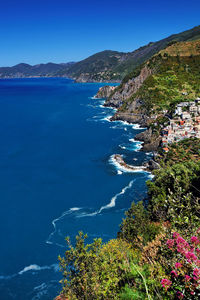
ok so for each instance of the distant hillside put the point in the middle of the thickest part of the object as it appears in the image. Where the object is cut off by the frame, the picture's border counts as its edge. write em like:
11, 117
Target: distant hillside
171, 76
104, 66
97, 67
26, 70
114, 66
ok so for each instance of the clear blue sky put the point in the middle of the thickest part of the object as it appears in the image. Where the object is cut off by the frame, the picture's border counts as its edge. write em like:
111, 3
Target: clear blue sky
35, 31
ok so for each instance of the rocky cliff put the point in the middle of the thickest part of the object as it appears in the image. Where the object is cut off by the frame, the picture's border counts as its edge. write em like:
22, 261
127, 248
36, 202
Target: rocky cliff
148, 99
113, 66
151, 141
125, 90
105, 92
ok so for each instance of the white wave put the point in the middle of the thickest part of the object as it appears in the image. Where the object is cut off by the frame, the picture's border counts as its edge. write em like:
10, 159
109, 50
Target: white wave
149, 153
151, 176
138, 144
93, 98
121, 168
113, 199
125, 123
137, 126
122, 147
111, 204
71, 210
38, 268
107, 118
119, 172
74, 208
33, 267
85, 214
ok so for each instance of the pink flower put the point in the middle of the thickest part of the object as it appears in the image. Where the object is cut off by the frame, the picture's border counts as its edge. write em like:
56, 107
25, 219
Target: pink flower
195, 240
196, 272
170, 243
187, 277
180, 295
198, 263
175, 235
174, 274
166, 283
190, 256
197, 250
178, 265
192, 293
180, 240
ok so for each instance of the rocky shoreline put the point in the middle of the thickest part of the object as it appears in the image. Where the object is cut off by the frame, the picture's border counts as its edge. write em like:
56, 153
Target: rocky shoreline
150, 142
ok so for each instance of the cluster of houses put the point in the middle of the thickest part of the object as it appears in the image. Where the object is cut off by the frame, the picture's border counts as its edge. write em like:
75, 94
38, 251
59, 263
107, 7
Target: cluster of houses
184, 124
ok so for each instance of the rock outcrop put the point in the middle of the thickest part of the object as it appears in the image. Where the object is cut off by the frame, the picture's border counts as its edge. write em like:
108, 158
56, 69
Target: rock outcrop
118, 159
150, 141
105, 91
129, 88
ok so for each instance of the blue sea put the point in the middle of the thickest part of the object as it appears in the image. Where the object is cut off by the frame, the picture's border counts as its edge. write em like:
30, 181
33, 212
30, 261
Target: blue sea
57, 177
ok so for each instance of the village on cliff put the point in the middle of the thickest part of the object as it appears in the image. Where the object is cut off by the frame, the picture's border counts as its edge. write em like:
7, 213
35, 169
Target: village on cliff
184, 124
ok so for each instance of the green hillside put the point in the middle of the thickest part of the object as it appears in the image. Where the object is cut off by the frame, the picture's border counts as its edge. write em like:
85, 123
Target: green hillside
156, 254
113, 65
26, 70
175, 78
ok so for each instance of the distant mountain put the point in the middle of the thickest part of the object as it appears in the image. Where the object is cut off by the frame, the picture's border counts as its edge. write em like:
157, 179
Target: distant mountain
114, 66
26, 70
104, 66
169, 77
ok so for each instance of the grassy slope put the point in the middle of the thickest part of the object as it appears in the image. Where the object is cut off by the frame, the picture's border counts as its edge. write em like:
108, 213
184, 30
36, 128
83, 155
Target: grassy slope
176, 72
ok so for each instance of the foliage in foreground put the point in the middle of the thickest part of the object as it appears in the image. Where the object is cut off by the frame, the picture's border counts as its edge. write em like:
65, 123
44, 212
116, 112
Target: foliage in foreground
157, 252
95, 271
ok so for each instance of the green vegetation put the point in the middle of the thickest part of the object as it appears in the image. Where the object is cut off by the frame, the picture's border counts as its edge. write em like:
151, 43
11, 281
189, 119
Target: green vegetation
157, 251
175, 79
112, 65
25, 70
107, 65
141, 262
174, 194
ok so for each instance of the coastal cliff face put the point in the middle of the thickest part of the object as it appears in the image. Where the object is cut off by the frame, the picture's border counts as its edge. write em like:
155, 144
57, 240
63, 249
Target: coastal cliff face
105, 91
169, 77
113, 66
129, 88
150, 140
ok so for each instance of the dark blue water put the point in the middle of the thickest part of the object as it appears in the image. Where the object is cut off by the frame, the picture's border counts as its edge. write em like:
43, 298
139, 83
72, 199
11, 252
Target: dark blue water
57, 177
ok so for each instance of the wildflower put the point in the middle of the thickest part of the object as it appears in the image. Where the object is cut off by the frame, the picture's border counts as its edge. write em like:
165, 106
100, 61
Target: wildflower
176, 235
166, 283
178, 265
170, 243
198, 263
192, 293
180, 295
196, 272
190, 256
174, 274
187, 277
195, 240
180, 240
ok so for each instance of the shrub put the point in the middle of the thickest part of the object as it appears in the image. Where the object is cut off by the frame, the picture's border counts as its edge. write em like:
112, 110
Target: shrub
95, 271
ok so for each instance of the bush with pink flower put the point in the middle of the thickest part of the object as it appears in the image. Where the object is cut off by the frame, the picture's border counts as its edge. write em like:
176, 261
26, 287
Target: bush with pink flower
183, 280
